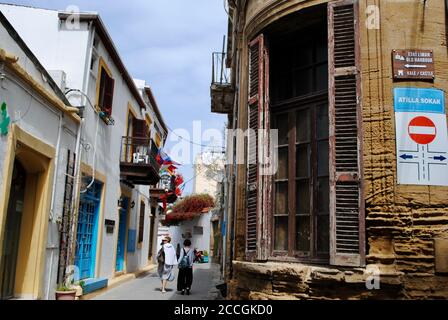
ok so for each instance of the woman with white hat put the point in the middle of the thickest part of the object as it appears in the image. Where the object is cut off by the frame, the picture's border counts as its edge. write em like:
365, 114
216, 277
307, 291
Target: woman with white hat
166, 259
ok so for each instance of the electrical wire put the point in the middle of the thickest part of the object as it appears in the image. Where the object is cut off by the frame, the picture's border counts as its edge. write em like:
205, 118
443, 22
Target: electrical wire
94, 158
183, 185
85, 96
92, 181
194, 143
26, 112
32, 96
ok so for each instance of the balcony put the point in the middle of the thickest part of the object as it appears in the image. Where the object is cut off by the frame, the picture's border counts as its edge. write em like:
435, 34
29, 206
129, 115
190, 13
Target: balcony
166, 190
222, 92
138, 163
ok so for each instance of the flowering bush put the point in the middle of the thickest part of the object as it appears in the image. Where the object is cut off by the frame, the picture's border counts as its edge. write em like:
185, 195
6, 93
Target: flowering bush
188, 209
194, 203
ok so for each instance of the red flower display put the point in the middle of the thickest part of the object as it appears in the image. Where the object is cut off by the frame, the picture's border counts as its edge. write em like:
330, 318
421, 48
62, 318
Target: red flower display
189, 208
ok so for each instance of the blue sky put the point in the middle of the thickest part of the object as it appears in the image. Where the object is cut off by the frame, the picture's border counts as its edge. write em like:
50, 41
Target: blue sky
168, 44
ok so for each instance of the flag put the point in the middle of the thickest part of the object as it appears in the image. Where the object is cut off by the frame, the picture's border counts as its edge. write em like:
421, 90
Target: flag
179, 180
164, 159
171, 169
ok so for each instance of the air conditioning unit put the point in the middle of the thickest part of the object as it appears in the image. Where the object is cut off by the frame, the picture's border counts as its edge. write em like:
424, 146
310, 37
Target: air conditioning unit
60, 77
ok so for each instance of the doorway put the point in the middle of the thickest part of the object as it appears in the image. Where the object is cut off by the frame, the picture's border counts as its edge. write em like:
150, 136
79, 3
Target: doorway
87, 231
24, 207
151, 233
121, 242
12, 232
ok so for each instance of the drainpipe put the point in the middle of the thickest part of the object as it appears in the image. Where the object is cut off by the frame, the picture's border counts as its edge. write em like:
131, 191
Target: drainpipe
233, 174
78, 151
54, 246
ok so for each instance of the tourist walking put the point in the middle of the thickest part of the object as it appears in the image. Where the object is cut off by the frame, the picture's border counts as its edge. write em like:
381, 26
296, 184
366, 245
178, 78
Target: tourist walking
186, 260
166, 259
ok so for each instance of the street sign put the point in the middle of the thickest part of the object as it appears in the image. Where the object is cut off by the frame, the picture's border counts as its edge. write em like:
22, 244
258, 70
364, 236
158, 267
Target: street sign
422, 137
413, 64
422, 130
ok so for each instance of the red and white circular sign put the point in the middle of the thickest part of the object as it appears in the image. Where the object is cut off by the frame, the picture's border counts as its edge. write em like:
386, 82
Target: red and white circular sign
422, 130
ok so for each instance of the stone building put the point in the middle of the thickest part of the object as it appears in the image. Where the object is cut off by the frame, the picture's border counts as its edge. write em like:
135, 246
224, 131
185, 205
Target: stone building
341, 218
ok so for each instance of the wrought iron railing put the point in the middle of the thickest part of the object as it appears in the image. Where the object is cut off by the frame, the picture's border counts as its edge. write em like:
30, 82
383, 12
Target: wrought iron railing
139, 151
220, 72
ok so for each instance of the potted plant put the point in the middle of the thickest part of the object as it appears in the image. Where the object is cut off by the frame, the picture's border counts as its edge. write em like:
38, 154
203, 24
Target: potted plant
206, 256
65, 292
70, 291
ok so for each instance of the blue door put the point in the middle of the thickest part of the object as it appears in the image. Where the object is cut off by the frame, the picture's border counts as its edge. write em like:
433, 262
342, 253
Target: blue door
87, 232
122, 235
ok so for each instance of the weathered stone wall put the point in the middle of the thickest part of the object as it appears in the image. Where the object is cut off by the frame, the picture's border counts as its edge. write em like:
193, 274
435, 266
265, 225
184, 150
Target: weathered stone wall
402, 221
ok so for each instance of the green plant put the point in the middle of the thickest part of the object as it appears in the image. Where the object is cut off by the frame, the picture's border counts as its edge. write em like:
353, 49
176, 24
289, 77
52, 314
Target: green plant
64, 288
205, 253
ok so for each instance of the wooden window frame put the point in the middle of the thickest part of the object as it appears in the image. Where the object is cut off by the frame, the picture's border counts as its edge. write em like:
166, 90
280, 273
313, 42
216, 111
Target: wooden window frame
267, 228
103, 66
309, 102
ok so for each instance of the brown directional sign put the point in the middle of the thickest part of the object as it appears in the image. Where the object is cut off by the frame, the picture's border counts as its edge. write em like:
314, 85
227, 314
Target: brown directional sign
413, 64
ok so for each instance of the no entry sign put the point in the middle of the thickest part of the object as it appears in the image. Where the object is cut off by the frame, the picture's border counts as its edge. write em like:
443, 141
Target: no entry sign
422, 130
421, 135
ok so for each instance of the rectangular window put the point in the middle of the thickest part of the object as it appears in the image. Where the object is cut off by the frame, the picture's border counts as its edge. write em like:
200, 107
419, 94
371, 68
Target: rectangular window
105, 90
301, 191
141, 223
299, 111
198, 230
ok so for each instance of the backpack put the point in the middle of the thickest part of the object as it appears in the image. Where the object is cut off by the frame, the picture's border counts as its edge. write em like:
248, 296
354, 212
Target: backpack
161, 256
185, 262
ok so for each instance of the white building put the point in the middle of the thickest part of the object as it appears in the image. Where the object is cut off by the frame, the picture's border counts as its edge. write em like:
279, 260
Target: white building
121, 131
208, 173
34, 153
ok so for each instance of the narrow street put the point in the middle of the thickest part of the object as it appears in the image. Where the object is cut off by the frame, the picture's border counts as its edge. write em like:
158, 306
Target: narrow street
205, 279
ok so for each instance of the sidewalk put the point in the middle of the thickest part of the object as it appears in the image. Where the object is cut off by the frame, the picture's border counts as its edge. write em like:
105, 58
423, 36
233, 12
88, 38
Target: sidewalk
147, 287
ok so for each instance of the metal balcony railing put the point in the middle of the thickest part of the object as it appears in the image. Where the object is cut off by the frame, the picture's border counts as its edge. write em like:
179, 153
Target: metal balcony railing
220, 72
139, 152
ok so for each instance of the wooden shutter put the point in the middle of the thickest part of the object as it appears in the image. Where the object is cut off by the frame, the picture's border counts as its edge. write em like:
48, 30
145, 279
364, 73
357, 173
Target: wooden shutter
255, 216
140, 128
141, 225
109, 95
347, 231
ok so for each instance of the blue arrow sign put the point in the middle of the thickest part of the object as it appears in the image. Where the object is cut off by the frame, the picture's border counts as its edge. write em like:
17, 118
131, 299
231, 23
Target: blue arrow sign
441, 158
406, 156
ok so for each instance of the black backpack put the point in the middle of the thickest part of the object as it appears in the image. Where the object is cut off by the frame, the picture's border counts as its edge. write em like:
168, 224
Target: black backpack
161, 256
185, 262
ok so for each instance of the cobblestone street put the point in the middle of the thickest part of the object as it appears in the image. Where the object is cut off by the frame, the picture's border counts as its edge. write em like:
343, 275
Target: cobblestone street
205, 279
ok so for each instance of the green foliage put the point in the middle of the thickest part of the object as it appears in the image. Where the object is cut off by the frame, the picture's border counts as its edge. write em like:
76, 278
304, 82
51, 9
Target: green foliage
4, 119
64, 288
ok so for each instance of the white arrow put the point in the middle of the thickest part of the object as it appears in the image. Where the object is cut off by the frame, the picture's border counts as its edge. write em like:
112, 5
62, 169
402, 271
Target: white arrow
414, 66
